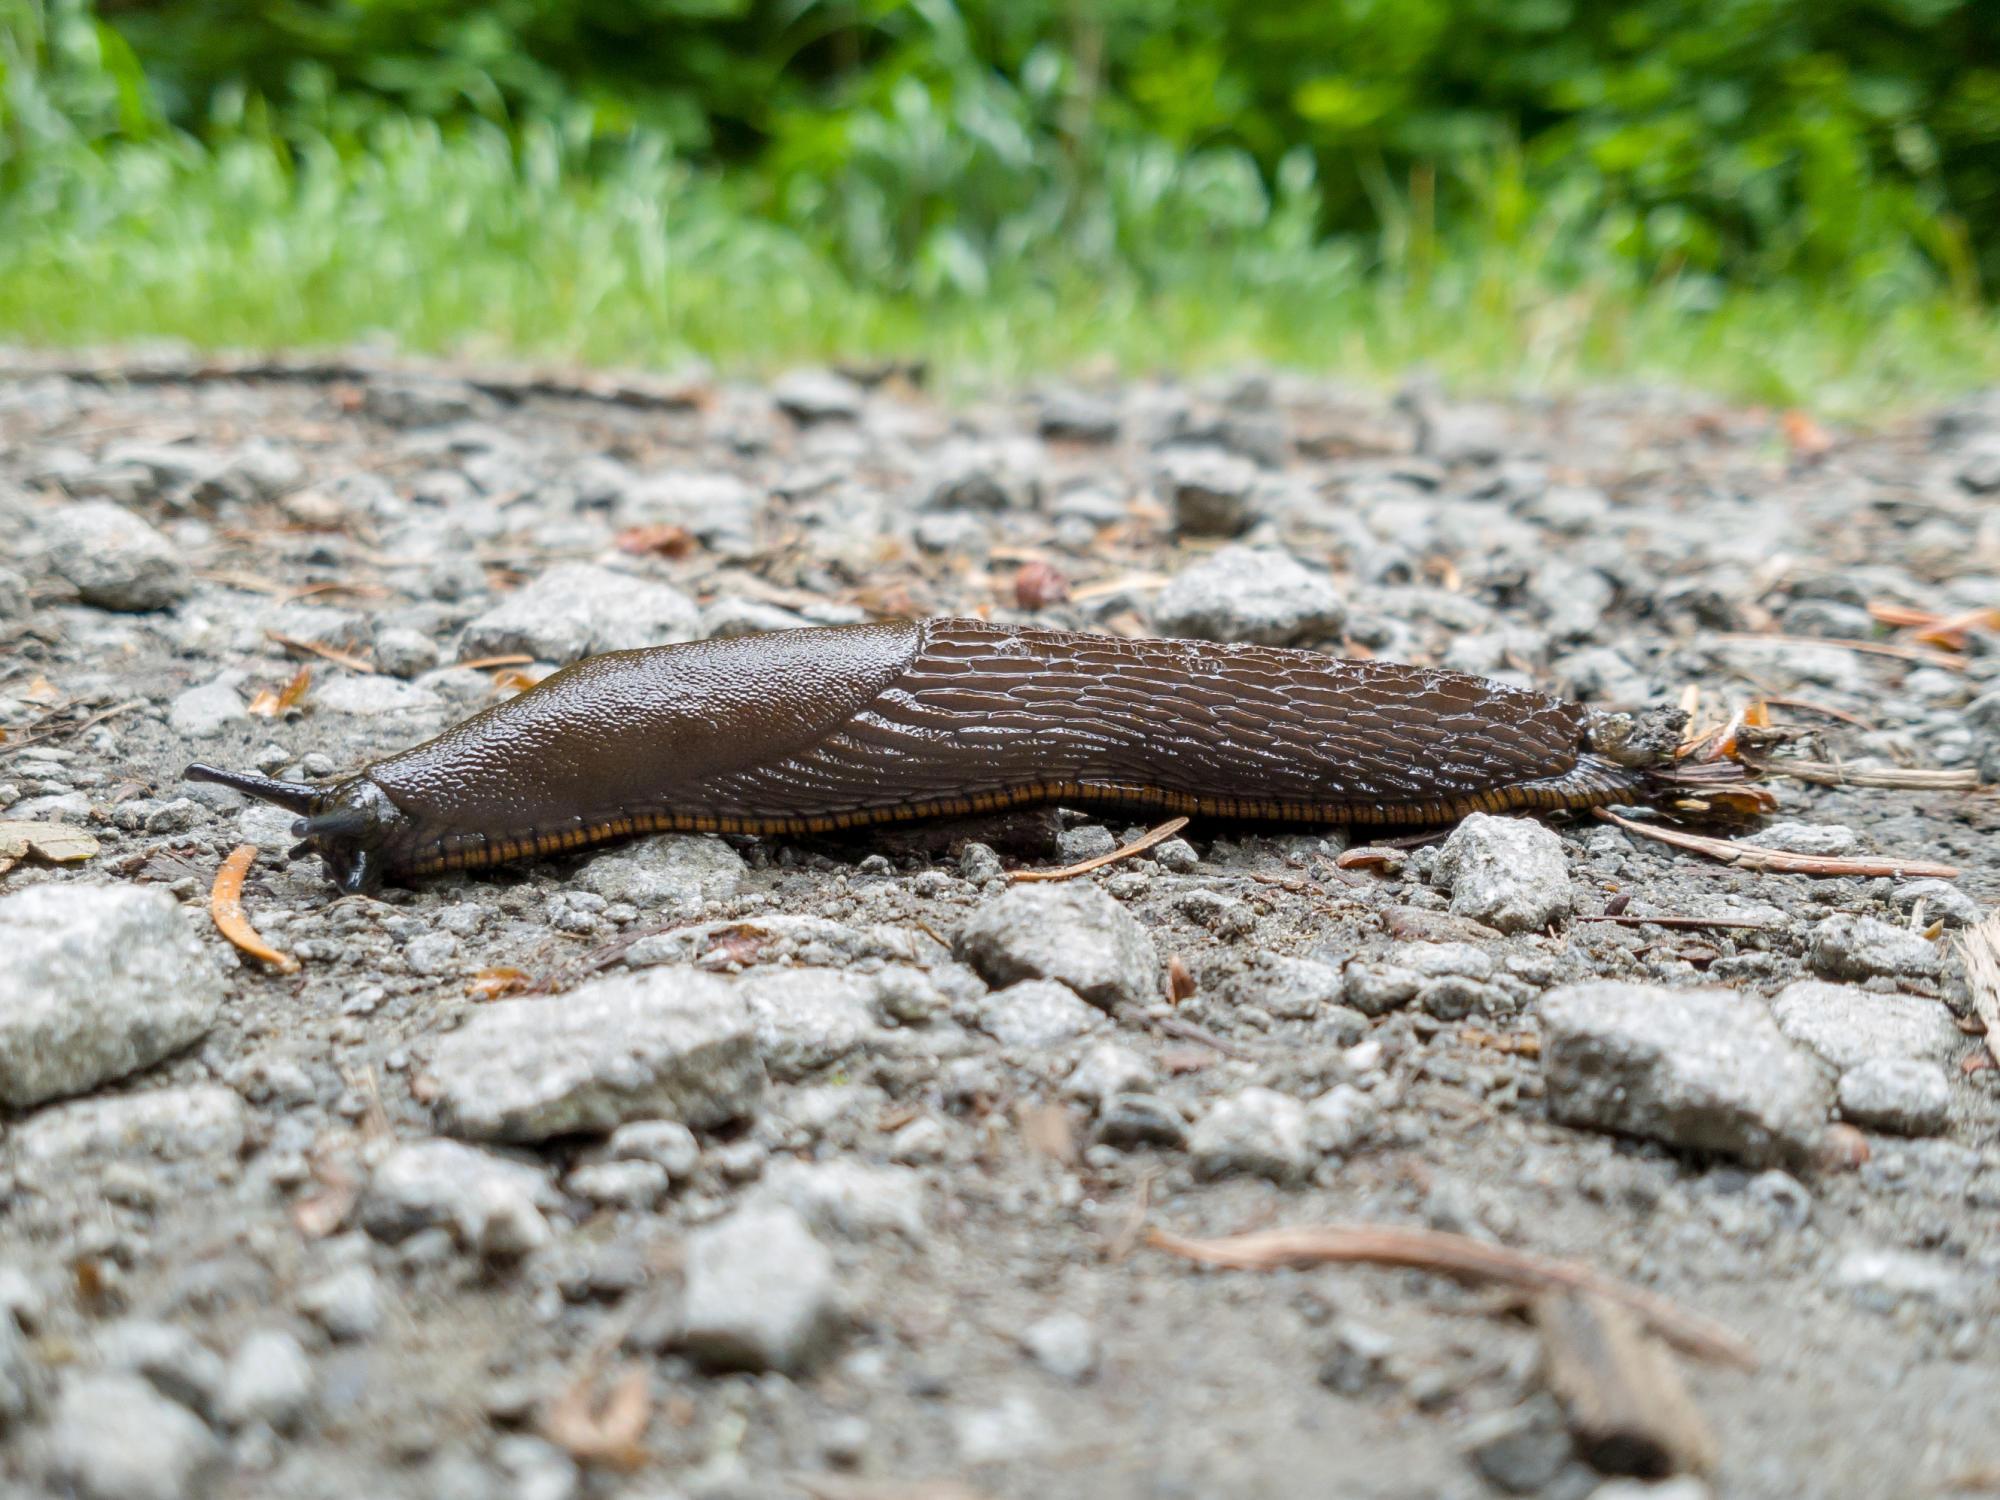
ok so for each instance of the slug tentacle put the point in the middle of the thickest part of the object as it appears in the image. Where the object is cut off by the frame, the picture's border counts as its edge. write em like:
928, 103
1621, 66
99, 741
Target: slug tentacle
813, 730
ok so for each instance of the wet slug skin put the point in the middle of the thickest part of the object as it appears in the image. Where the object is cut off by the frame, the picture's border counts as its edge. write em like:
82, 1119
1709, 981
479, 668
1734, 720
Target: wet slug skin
803, 731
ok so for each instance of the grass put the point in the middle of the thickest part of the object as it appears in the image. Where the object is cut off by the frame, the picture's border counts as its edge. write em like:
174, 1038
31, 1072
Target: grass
473, 245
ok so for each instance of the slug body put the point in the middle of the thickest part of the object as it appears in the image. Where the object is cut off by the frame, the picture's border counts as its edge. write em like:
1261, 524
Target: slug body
808, 730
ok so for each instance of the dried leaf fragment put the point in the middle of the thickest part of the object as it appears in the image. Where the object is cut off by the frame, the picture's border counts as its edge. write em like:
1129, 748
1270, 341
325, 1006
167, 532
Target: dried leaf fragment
608, 1433
492, 984
1981, 947
57, 843
225, 905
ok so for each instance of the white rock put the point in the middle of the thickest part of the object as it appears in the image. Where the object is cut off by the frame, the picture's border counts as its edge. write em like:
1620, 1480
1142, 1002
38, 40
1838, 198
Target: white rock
1848, 1026
114, 559
663, 1043
1064, 1344
204, 1120
1037, 1013
204, 712
1070, 932
425, 1183
672, 870
269, 1380
1509, 873
848, 1198
1898, 1094
1257, 1131
113, 1437
807, 1019
761, 1293
367, 696
100, 981
1250, 594
577, 609
1704, 1070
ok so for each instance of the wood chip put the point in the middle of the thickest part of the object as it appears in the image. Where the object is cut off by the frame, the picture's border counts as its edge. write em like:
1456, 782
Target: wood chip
225, 904
1139, 845
607, 1434
1751, 857
479, 663
1628, 1407
1455, 1255
1981, 947
269, 704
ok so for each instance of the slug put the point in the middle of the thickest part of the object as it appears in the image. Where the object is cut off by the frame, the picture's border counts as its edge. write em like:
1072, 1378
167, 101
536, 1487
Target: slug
802, 731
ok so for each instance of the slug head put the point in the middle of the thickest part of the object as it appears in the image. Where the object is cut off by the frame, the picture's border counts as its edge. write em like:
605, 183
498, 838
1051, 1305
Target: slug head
349, 825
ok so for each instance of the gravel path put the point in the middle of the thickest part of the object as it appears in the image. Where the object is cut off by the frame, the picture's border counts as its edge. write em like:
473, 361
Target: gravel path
738, 1167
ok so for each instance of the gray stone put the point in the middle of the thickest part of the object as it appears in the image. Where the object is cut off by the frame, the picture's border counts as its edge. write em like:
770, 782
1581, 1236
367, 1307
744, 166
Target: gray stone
19, 1395
538, 1470
1882, 1278
1519, 1452
1070, 932
113, 1437
201, 713
346, 1303
1064, 1344
578, 609
1011, 1431
1506, 872
672, 870
1849, 1026
666, 1143
1339, 1121
718, 509
848, 1198
269, 1380
100, 981
1250, 594
761, 1293
1211, 492
806, 1019
1106, 1070
177, 1364
811, 396
1845, 946
368, 696
1703, 1070
422, 401
114, 559
1375, 989
1256, 1131
659, 1043
434, 1183
1292, 989
432, 953
14, 598
402, 652
1077, 417
1897, 1094
202, 1121
1834, 839
1942, 901
639, 1185
1037, 1013
1128, 1120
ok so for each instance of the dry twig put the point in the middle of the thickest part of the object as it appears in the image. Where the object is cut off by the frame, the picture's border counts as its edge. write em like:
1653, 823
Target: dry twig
1625, 1400
1870, 648
1750, 857
1630, 919
225, 904
1460, 1256
1889, 778
1139, 845
333, 654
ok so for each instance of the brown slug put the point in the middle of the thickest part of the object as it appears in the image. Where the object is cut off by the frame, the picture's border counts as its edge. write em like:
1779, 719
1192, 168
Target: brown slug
802, 731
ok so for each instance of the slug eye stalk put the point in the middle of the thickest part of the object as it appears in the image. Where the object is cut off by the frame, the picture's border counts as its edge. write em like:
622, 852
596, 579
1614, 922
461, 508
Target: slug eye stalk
345, 825
293, 796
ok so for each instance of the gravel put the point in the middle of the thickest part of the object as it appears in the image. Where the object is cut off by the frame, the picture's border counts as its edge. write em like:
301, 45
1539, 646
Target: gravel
101, 981
1701, 1070
847, 1142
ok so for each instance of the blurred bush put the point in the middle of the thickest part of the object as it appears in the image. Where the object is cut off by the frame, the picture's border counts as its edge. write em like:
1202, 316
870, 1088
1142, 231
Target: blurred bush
930, 146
